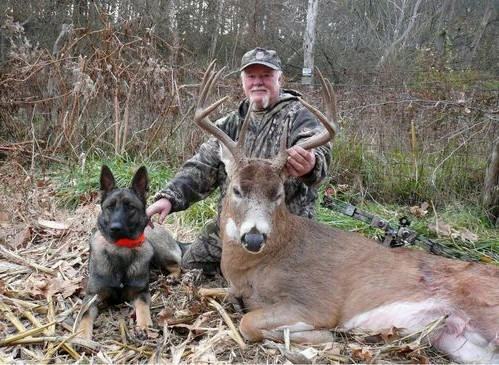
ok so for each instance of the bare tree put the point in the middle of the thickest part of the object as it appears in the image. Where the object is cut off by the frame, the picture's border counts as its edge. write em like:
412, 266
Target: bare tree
400, 34
309, 42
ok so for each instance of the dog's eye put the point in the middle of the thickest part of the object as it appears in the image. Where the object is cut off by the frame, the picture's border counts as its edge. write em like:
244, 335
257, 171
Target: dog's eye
236, 192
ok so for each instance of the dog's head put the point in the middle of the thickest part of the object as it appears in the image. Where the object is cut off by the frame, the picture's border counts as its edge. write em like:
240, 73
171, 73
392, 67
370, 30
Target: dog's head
123, 210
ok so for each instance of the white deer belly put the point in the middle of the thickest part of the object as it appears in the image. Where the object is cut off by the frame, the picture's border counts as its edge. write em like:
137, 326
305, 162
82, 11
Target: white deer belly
457, 338
412, 316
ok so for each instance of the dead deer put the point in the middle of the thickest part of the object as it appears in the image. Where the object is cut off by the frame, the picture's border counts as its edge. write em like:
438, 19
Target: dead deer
292, 272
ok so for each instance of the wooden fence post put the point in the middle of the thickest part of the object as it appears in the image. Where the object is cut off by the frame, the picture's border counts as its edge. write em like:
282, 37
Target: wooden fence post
491, 186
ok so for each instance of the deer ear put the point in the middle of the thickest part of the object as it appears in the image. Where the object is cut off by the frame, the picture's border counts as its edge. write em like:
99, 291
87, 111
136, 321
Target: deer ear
227, 158
140, 182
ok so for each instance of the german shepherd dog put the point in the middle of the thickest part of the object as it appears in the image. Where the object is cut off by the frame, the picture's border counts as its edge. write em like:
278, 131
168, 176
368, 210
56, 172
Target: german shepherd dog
121, 251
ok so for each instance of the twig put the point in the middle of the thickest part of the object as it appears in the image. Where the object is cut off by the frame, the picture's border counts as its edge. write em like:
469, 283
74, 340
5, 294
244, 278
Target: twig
83, 310
133, 348
25, 334
220, 293
11, 317
51, 351
69, 349
236, 336
12, 256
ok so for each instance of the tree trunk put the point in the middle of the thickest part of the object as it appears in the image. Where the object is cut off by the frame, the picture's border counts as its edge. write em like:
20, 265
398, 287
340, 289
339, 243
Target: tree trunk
308, 42
218, 26
396, 40
479, 34
491, 188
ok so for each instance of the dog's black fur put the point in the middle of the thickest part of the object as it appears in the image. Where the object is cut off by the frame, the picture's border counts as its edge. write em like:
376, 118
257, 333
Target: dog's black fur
116, 273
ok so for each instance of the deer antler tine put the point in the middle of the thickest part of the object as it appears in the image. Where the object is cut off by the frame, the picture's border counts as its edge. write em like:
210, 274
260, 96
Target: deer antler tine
324, 137
206, 83
326, 91
244, 128
212, 107
328, 122
331, 106
210, 78
281, 158
213, 80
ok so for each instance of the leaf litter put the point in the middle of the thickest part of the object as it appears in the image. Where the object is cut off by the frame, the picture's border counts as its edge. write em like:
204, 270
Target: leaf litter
43, 268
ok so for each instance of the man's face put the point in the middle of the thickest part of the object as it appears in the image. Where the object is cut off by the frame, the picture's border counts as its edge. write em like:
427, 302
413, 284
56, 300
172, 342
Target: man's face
261, 85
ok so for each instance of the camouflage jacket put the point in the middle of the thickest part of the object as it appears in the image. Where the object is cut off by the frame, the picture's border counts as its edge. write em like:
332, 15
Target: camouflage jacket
204, 172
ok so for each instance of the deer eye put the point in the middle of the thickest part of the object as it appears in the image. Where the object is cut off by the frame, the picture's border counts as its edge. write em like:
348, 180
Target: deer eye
236, 192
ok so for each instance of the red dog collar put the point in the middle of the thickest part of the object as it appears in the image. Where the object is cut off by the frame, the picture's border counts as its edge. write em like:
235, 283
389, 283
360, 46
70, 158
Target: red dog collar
127, 242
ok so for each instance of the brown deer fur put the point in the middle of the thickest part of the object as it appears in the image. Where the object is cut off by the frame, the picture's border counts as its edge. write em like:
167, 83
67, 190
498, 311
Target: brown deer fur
305, 276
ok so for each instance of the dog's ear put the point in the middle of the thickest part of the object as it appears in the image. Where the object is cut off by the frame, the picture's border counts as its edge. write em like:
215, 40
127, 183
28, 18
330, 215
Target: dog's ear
107, 182
140, 182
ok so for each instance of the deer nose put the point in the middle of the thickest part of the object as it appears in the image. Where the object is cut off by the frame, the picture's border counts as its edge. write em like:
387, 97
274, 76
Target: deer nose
253, 241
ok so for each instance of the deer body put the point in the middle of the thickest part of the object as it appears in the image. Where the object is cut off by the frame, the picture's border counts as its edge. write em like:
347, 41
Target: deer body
310, 278
295, 273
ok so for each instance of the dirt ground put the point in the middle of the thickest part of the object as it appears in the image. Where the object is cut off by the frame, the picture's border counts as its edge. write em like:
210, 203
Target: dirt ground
43, 265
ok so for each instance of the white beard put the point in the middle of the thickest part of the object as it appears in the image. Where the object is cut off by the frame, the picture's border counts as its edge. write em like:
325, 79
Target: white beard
264, 105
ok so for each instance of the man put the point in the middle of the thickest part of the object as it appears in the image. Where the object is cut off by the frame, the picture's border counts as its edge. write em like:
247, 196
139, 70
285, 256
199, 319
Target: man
273, 107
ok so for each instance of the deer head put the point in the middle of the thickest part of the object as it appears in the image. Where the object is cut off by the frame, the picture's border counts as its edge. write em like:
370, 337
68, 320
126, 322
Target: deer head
255, 192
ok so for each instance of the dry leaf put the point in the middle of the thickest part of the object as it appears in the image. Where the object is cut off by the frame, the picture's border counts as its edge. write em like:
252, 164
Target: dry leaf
441, 228
362, 354
41, 286
419, 211
465, 235
21, 238
4, 217
52, 224
389, 335
164, 316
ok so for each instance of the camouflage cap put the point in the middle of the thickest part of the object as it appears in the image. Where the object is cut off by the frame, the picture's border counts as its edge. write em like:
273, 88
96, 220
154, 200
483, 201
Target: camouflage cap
261, 56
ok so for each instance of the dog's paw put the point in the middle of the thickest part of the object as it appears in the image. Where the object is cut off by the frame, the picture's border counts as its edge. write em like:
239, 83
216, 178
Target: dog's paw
144, 333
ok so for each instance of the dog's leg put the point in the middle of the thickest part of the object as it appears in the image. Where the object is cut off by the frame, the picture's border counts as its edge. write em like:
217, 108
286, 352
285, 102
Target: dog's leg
174, 270
143, 314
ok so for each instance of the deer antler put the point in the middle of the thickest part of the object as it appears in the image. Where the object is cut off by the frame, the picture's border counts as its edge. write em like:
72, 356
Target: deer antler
210, 78
328, 122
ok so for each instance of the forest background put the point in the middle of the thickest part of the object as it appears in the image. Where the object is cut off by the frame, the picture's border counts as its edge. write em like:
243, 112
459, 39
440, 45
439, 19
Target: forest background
416, 81
86, 82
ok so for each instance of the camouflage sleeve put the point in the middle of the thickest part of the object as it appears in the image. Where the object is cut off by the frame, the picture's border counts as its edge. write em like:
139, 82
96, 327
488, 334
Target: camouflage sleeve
304, 126
198, 176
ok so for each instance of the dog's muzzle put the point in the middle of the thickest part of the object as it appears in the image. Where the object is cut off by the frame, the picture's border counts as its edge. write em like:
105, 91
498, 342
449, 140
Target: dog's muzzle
253, 241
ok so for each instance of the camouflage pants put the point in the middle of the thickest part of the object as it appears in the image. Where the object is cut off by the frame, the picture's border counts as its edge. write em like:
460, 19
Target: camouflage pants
205, 252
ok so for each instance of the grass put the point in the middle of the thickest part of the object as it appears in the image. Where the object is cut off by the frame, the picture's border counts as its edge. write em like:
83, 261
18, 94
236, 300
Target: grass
394, 176
79, 184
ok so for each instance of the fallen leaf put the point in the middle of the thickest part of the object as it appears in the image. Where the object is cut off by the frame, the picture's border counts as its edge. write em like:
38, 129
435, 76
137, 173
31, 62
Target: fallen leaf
163, 316
419, 211
466, 235
389, 335
363, 354
21, 238
4, 217
343, 188
52, 224
441, 228
41, 286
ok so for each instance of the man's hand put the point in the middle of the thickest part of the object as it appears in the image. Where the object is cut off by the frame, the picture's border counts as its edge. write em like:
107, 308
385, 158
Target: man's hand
161, 206
300, 161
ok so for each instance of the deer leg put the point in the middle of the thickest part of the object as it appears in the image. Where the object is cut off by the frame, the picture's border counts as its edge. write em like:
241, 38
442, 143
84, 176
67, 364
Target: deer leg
270, 323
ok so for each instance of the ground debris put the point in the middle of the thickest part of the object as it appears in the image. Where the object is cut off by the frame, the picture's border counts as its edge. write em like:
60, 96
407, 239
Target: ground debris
42, 278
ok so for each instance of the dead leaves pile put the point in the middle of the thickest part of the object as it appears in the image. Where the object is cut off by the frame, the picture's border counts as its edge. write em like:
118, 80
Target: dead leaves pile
43, 263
